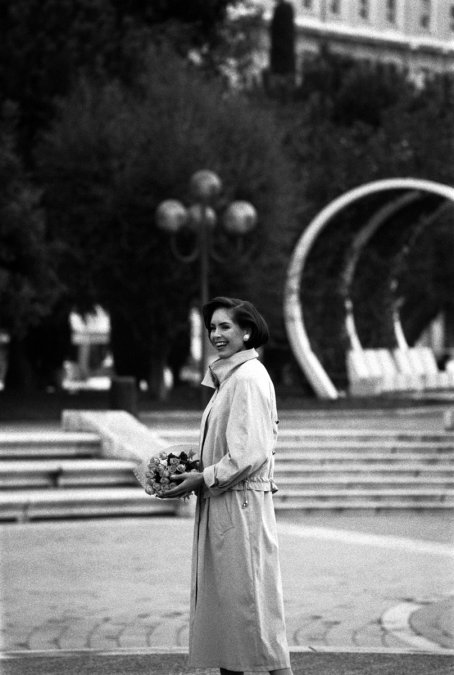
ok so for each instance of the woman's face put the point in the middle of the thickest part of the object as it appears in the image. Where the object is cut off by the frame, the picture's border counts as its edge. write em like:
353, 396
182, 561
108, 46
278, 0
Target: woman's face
226, 336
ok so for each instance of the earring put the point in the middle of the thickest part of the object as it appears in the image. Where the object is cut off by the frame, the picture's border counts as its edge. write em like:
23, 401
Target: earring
246, 337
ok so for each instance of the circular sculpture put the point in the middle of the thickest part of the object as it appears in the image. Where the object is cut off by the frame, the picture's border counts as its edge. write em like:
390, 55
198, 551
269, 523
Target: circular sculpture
396, 192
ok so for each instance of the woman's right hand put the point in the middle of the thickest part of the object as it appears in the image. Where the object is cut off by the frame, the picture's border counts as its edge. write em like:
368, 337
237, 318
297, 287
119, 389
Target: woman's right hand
190, 482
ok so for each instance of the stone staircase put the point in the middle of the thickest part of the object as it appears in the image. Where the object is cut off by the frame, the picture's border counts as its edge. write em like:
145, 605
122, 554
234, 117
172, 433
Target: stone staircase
62, 474
364, 470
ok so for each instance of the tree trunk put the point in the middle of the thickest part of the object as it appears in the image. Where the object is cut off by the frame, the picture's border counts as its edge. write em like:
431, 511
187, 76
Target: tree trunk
19, 374
130, 358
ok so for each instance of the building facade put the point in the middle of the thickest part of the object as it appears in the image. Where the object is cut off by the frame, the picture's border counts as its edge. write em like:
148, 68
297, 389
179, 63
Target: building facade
415, 35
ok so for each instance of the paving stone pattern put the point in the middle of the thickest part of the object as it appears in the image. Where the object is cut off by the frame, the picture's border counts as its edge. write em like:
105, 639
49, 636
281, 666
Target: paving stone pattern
125, 584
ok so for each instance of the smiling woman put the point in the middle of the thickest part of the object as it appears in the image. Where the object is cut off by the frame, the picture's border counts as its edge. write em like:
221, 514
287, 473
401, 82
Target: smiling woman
237, 615
225, 335
234, 325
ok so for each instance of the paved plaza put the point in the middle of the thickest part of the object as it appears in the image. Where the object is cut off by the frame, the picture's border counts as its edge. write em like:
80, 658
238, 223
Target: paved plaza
377, 584
124, 583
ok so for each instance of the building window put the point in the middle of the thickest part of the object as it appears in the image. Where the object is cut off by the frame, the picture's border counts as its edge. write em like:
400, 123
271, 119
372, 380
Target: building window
391, 11
451, 18
363, 10
334, 7
424, 16
308, 4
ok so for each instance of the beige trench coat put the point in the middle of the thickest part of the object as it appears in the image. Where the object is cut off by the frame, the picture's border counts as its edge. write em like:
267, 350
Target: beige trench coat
237, 615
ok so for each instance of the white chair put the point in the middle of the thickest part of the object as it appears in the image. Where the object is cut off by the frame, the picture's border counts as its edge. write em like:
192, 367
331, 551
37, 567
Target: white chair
450, 370
393, 378
423, 360
362, 380
412, 375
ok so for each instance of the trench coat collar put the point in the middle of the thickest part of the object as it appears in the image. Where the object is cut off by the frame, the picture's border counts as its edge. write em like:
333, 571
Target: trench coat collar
221, 369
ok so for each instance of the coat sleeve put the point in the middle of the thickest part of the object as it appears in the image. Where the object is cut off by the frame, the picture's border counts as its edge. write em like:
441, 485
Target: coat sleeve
249, 437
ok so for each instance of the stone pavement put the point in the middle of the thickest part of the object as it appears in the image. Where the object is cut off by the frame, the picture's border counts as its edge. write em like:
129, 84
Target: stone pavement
112, 595
124, 583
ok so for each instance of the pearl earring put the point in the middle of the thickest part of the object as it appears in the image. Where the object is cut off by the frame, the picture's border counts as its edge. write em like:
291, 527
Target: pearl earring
246, 337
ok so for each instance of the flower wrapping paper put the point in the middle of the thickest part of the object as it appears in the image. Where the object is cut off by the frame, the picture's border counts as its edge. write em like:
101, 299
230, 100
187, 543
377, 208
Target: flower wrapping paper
156, 474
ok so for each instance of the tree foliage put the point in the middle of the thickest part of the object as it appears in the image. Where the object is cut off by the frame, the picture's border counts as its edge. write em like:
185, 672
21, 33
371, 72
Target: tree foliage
205, 16
28, 286
45, 45
347, 125
353, 122
282, 36
426, 279
120, 143
114, 153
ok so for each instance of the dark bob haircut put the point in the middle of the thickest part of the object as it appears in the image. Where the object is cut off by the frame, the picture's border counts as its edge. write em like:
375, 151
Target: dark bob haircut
244, 314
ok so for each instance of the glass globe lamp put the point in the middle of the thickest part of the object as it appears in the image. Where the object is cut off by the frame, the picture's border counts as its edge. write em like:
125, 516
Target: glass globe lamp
171, 216
240, 218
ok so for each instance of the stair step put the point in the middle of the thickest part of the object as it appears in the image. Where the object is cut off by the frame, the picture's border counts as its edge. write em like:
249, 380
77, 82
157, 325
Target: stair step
325, 467
346, 505
335, 469
296, 451
354, 494
347, 482
22, 445
364, 437
365, 458
353, 446
333, 435
75, 502
60, 473
350, 445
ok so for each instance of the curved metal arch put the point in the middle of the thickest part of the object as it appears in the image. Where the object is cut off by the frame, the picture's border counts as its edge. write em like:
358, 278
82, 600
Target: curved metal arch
360, 241
293, 312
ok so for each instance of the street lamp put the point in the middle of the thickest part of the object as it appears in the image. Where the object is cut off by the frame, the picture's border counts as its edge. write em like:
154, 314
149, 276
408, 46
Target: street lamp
200, 217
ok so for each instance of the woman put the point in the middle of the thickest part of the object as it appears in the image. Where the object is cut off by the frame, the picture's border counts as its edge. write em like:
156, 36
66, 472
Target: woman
237, 618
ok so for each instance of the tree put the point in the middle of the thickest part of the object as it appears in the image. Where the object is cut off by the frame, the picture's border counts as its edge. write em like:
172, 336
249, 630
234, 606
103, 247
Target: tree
282, 34
28, 284
113, 154
348, 125
346, 91
45, 46
427, 278
204, 18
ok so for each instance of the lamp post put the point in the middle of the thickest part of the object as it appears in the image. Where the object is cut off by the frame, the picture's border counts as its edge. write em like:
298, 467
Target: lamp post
200, 217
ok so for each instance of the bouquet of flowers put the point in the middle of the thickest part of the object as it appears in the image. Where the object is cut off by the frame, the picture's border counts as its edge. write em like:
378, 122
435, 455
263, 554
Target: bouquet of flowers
162, 470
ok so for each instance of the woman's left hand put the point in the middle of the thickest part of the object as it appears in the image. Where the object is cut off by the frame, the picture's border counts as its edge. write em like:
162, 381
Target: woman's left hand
190, 482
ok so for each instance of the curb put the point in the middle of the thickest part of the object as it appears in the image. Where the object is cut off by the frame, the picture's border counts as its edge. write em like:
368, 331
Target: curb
305, 661
156, 651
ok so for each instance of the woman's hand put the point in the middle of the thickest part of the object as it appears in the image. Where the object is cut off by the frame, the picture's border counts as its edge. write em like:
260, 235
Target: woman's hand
189, 482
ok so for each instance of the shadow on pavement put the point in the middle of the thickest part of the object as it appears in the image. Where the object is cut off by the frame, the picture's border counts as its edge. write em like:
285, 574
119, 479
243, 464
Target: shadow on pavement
303, 663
